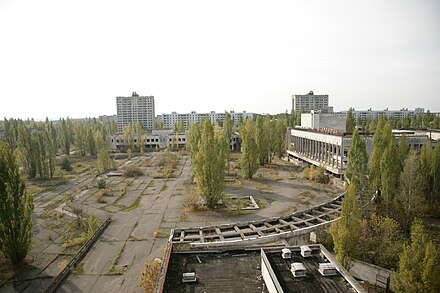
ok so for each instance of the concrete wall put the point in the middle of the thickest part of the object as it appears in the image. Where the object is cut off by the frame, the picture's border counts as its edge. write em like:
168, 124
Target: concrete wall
269, 276
368, 272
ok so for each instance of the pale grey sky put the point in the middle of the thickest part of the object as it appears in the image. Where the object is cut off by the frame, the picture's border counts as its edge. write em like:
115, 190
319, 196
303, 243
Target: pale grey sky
72, 58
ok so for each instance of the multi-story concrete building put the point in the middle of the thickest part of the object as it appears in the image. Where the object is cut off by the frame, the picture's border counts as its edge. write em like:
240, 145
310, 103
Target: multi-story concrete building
161, 139
169, 120
309, 102
135, 109
329, 147
375, 114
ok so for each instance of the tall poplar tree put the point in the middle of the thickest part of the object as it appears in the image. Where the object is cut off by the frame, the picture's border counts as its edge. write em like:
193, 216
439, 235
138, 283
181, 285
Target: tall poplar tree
410, 198
209, 164
357, 169
16, 206
346, 232
227, 129
260, 140
249, 151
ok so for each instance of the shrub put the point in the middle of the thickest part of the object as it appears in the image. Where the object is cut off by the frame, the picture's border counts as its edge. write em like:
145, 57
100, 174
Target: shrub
150, 274
66, 164
101, 183
132, 171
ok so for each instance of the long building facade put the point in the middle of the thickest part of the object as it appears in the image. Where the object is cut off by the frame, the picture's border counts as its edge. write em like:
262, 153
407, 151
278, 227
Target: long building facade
169, 120
376, 114
329, 148
135, 109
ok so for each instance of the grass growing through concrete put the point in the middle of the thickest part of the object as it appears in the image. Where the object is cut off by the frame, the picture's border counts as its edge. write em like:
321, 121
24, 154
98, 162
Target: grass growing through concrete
134, 205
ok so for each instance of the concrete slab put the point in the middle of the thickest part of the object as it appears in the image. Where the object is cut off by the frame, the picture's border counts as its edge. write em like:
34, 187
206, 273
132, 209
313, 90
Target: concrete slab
78, 283
108, 284
99, 259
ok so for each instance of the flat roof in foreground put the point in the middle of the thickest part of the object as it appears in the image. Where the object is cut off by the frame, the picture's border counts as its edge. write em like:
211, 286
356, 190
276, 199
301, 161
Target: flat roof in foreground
231, 271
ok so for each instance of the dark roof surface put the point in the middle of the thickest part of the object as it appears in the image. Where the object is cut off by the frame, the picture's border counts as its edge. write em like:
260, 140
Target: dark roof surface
313, 282
232, 271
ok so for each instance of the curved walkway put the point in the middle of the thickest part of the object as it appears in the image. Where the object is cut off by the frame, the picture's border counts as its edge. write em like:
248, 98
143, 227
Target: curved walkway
261, 231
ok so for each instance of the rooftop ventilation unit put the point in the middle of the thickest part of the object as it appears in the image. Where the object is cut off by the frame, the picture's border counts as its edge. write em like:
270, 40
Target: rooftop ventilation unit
306, 251
189, 277
327, 269
298, 269
286, 253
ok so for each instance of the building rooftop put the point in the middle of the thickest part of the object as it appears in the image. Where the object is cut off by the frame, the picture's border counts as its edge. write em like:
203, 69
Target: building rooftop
255, 270
313, 281
231, 271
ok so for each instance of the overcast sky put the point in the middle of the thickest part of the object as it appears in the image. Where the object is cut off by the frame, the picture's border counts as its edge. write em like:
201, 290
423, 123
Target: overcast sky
72, 58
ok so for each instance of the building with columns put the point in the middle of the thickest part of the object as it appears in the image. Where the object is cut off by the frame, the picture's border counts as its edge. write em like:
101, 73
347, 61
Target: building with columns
329, 148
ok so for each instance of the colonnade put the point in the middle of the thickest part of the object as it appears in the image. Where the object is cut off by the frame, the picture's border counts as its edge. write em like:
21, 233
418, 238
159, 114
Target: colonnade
326, 153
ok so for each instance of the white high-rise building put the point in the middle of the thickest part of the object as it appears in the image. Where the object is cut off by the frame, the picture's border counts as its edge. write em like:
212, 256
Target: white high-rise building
135, 109
169, 120
310, 102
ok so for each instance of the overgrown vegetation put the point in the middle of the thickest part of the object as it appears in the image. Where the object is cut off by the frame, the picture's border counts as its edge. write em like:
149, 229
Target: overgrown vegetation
16, 206
132, 171
150, 274
389, 209
90, 226
316, 174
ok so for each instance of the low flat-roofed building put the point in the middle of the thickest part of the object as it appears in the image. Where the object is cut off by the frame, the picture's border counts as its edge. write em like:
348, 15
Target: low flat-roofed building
279, 276
230, 271
253, 269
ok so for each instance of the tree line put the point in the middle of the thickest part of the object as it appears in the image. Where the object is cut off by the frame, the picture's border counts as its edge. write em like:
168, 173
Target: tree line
389, 198
37, 144
210, 150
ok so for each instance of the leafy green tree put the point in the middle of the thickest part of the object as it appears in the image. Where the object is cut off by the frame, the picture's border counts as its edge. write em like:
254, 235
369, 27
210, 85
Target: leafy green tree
16, 206
227, 129
129, 136
357, 169
267, 138
91, 146
261, 141
378, 148
346, 232
249, 151
410, 200
104, 163
435, 174
382, 242
418, 265
209, 164
65, 136
390, 171
425, 169
27, 151
140, 137
80, 134
194, 139
403, 150
350, 122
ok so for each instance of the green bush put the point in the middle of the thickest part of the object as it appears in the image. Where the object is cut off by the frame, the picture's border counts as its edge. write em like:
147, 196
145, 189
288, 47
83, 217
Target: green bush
101, 183
66, 164
132, 171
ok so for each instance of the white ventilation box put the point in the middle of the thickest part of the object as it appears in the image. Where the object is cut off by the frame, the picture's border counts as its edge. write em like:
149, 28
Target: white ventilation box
306, 251
298, 269
327, 269
286, 253
189, 277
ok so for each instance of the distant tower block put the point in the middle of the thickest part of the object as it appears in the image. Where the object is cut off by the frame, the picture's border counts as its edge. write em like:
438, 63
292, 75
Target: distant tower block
135, 109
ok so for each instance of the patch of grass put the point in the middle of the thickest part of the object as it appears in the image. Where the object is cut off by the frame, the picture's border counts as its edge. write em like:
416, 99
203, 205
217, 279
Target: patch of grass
116, 271
160, 234
133, 171
184, 219
135, 238
134, 205
164, 187
79, 269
